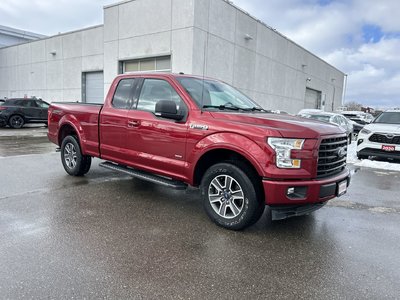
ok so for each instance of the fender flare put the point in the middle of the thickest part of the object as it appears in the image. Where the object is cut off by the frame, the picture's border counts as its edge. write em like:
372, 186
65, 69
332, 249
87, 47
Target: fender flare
71, 120
238, 143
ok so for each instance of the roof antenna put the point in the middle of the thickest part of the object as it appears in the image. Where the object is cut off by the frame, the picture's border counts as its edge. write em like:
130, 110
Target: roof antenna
204, 70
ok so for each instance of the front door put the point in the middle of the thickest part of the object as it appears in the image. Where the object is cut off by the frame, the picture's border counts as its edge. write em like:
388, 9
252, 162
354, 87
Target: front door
43, 108
158, 143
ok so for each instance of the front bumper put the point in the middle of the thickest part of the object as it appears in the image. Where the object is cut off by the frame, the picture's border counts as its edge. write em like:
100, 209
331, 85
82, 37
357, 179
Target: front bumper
311, 191
379, 153
367, 148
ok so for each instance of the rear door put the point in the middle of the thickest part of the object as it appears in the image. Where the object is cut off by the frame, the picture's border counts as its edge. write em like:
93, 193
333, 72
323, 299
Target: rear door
30, 111
114, 122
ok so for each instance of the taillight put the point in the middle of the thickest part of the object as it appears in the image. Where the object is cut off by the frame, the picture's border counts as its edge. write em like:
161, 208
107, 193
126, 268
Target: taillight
3, 108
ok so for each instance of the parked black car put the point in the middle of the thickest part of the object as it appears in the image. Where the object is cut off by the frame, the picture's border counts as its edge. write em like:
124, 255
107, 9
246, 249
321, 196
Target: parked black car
19, 111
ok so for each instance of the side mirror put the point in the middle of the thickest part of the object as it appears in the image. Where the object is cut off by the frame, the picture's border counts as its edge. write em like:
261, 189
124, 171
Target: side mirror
167, 109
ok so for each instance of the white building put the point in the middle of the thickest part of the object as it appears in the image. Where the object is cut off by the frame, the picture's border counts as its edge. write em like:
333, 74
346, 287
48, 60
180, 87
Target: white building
12, 36
212, 37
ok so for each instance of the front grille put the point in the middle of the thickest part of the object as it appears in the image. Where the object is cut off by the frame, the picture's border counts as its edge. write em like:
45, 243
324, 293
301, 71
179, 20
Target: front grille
384, 139
331, 156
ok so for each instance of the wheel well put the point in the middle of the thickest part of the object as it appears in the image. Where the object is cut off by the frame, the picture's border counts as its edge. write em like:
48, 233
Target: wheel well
16, 115
64, 131
216, 156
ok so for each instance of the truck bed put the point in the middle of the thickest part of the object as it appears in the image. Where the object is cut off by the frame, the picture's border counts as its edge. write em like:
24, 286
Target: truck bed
84, 118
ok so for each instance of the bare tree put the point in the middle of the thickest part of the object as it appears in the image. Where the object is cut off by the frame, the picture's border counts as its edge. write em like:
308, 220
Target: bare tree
353, 105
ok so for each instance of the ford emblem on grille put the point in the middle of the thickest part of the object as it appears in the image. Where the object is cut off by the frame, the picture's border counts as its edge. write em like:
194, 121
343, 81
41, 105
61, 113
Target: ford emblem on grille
341, 152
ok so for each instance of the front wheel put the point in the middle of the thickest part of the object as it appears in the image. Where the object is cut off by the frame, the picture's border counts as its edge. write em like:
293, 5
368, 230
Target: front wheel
231, 196
16, 122
74, 162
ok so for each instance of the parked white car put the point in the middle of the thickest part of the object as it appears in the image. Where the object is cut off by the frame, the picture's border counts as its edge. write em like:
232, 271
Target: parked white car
358, 116
329, 117
381, 138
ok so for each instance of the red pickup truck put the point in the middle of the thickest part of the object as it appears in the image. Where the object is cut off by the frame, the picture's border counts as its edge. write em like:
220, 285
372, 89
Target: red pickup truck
179, 130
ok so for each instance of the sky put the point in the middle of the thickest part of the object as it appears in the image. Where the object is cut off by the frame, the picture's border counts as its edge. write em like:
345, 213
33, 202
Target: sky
359, 37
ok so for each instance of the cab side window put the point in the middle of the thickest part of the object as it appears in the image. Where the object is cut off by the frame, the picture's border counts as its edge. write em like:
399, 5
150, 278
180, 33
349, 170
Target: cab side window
31, 103
122, 98
41, 104
23, 103
154, 90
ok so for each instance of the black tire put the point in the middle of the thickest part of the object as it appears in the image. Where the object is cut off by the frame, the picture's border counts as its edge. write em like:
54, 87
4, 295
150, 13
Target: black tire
16, 121
73, 161
226, 211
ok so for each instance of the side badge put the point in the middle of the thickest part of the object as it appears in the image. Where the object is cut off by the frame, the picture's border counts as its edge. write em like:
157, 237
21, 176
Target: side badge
198, 126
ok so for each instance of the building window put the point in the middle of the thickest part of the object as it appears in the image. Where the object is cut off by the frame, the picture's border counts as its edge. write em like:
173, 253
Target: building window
153, 64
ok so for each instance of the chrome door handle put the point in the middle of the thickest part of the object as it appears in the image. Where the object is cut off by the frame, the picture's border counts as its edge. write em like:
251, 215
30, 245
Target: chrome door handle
133, 123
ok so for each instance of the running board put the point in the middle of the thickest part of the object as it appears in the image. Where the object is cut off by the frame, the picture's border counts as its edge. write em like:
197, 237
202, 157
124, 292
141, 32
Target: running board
178, 185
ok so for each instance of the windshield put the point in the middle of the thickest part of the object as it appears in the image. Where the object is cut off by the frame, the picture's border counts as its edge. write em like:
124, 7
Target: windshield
216, 95
388, 118
318, 117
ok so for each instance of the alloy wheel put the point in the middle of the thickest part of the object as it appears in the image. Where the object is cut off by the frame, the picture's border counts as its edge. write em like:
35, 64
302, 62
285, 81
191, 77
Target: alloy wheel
226, 196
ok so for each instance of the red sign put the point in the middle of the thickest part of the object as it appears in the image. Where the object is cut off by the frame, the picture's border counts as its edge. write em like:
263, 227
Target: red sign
388, 148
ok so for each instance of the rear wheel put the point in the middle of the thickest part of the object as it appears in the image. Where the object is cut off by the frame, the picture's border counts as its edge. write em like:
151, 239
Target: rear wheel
16, 121
73, 161
231, 196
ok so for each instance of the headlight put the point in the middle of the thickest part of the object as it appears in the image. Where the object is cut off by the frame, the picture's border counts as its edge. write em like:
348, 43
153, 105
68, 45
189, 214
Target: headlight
283, 148
365, 131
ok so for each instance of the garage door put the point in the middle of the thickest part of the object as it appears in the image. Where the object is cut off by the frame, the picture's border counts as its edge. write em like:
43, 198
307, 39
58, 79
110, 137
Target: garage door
312, 99
93, 87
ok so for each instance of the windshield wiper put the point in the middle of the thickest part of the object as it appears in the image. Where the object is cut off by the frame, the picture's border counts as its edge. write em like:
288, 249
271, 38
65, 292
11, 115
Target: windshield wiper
222, 107
258, 109
233, 107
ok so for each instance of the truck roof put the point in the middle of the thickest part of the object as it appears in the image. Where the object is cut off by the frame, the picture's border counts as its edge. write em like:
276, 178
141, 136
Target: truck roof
164, 75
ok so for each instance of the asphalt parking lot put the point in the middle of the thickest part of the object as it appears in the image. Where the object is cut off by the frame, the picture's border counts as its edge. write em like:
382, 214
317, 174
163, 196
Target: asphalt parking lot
107, 235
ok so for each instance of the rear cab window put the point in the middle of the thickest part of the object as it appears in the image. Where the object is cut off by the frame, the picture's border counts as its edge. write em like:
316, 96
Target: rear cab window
123, 96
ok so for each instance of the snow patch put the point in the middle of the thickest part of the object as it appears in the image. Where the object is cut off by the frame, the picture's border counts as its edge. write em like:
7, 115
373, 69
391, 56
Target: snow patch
382, 210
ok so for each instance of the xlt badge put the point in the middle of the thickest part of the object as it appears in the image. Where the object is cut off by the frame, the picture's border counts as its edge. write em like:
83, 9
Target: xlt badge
199, 126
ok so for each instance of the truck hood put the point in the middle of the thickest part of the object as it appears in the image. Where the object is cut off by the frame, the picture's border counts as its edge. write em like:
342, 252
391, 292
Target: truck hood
288, 126
383, 128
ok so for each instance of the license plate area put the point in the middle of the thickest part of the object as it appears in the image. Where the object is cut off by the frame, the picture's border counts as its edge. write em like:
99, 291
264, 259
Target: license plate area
388, 148
342, 188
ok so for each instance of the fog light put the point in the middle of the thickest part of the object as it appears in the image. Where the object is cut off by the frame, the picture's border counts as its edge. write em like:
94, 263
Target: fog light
296, 192
359, 141
290, 191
